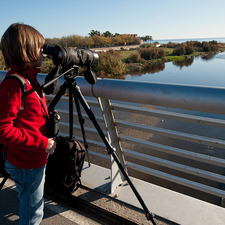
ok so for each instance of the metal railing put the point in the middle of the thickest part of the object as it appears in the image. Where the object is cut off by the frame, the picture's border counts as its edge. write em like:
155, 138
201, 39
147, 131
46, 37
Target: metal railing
170, 135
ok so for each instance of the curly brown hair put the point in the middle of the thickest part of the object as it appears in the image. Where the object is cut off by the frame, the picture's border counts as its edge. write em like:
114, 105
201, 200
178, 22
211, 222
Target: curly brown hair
21, 45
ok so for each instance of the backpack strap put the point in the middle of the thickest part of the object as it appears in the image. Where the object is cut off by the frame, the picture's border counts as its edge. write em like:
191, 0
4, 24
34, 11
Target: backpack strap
23, 86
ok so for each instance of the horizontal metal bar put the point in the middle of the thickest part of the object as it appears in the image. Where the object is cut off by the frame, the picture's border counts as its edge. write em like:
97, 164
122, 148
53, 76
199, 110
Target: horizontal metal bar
76, 127
176, 151
178, 180
199, 98
219, 123
99, 155
174, 134
176, 166
169, 133
171, 115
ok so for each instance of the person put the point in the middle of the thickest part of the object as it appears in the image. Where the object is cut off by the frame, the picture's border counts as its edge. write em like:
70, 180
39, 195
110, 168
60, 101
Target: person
24, 130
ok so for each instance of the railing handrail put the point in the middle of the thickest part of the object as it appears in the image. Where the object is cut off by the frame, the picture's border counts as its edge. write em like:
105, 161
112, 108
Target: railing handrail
189, 97
198, 98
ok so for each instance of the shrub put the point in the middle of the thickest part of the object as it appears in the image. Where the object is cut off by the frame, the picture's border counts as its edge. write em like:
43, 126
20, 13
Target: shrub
145, 53
151, 53
171, 45
111, 63
135, 57
161, 53
146, 45
179, 50
189, 50
209, 46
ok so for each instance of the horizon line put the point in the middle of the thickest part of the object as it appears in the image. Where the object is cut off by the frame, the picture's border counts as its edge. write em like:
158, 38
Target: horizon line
186, 38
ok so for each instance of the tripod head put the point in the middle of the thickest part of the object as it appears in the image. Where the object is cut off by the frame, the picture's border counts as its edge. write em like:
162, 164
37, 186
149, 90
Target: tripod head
51, 79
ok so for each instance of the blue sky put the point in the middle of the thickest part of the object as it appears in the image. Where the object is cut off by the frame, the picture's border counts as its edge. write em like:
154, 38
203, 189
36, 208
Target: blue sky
162, 19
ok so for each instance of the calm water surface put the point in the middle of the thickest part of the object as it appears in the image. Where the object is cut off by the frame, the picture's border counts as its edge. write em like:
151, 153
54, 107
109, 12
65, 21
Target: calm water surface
196, 71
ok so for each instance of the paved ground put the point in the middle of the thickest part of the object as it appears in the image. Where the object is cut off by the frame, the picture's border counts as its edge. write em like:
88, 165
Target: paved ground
60, 213
55, 213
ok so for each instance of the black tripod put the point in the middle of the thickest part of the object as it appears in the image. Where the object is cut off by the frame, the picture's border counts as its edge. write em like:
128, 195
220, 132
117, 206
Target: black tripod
74, 91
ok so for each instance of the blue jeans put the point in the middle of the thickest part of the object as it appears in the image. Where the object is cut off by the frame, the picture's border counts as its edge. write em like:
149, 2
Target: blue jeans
30, 186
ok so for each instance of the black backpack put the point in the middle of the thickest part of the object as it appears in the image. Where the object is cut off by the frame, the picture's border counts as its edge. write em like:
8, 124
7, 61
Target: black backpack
3, 172
64, 167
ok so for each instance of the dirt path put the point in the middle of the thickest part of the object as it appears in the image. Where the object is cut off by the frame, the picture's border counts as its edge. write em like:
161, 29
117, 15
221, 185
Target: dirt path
105, 49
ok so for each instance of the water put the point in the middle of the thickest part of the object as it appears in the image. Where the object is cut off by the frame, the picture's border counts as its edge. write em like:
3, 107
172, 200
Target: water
165, 41
194, 71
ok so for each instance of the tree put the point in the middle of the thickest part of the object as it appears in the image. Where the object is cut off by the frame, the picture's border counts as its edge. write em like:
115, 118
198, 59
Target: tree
147, 38
150, 38
107, 34
99, 41
117, 40
88, 42
77, 41
94, 32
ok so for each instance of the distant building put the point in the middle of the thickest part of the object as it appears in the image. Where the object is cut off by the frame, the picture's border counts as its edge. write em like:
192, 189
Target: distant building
132, 35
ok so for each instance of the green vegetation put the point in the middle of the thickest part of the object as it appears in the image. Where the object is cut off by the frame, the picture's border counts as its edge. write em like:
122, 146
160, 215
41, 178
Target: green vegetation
110, 64
174, 58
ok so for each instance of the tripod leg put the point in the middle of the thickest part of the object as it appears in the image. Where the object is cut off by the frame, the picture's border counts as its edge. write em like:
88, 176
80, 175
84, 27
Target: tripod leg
81, 121
111, 151
70, 113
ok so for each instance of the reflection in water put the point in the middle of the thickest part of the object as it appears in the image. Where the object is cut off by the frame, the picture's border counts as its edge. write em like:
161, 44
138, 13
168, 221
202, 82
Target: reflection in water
185, 62
195, 71
208, 56
150, 69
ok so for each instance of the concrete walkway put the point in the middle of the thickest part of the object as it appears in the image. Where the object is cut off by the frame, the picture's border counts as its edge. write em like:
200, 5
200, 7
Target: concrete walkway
58, 213
55, 213
169, 205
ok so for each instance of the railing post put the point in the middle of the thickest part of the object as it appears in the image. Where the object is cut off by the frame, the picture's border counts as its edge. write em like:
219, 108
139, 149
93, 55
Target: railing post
116, 176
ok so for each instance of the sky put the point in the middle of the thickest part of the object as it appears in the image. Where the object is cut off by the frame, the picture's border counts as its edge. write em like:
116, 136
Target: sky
162, 19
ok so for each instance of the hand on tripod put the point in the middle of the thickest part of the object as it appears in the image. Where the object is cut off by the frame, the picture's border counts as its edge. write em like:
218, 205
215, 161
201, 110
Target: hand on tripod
51, 146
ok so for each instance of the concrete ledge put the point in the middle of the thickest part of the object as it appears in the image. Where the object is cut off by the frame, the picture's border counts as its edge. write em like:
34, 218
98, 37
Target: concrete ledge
165, 203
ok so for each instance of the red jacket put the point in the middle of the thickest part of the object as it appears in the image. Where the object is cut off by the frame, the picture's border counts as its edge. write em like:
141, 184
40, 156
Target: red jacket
23, 131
